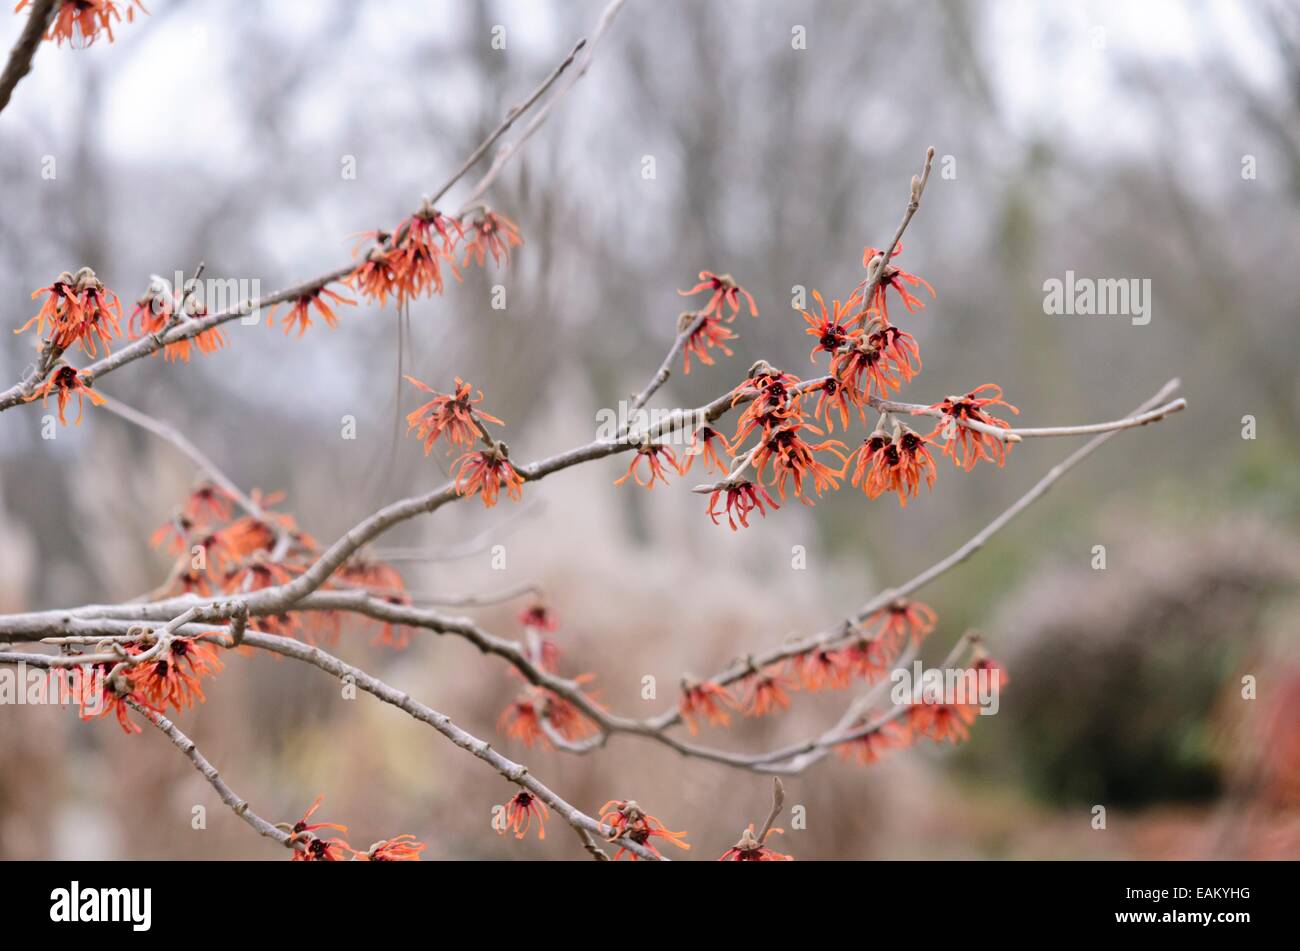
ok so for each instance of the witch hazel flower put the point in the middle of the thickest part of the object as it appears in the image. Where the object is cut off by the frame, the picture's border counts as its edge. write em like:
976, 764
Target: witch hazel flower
966, 446
80, 22
521, 812
629, 822
739, 498
751, 848
705, 699
485, 473
711, 333
300, 310
65, 383
490, 233
893, 277
898, 462
448, 416
80, 310
723, 291
831, 327
650, 463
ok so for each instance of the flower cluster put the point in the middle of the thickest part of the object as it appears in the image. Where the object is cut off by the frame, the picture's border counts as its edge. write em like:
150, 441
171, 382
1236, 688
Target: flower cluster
537, 713
869, 359
709, 322
220, 552
751, 848
79, 310
149, 675
627, 821
309, 847
863, 652
453, 418
408, 262
160, 309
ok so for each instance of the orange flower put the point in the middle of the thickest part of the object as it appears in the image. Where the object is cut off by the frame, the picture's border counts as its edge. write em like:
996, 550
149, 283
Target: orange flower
833, 396
491, 233
300, 315
173, 676
303, 828
824, 668
868, 747
627, 820
792, 457
420, 246
401, 848
97, 696
902, 619
650, 454
452, 416
207, 341
867, 658
966, 446
897, 279
375, 277
174, 534
702, 446
62, 308
706, 699
831, 328
565, 718
942, 722
64, 383
484, 473
520, 812
775, 403
876, 362
896, 464
207, 502
152, 311
243, 537
711, 332
751, 849
983, 662
723, 290
742, 498
522, 719
80, 311
765, 691
83, 19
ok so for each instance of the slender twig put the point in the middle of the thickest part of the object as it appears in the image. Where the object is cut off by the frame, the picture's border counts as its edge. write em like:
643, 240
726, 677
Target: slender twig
209, 772
19, 392
778, 801
514, 772
506, 123
178, 439
539, 118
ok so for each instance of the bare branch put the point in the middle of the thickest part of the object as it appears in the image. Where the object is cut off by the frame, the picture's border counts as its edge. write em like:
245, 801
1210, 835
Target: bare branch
24, 51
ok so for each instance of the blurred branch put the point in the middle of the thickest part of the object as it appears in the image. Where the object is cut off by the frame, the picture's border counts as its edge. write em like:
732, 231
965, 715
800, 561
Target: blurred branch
24, 51
19, 393
178, 439
503, 156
